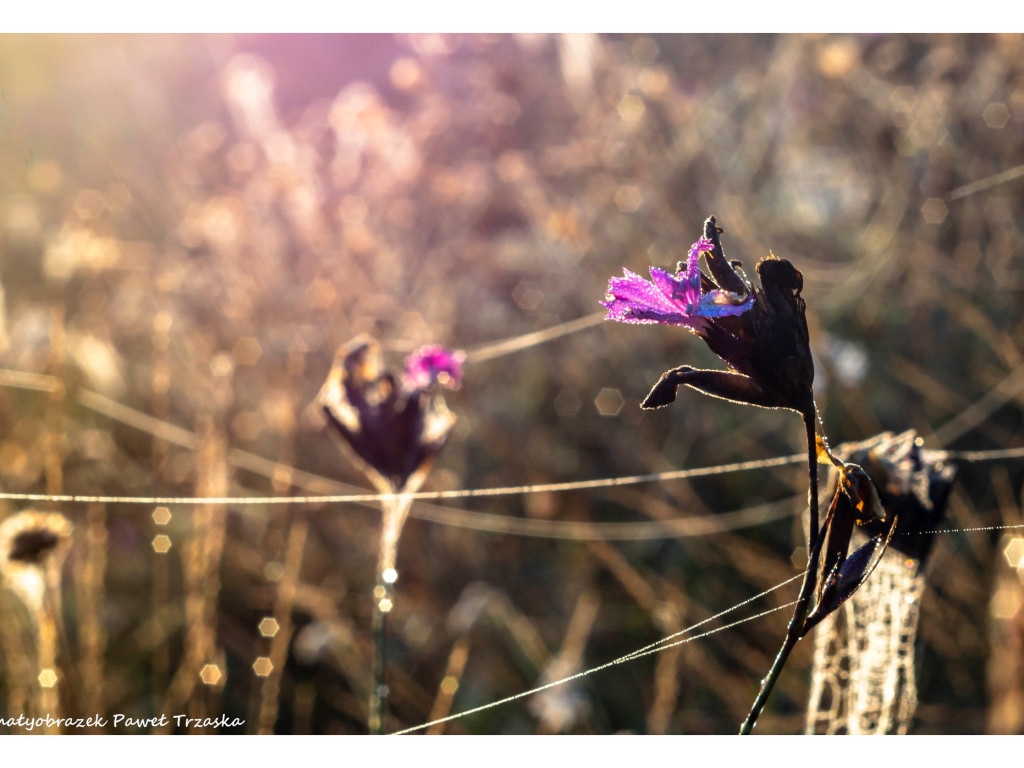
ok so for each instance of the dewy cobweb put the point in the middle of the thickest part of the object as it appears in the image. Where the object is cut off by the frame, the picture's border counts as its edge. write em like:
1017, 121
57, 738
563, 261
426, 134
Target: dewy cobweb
863, 679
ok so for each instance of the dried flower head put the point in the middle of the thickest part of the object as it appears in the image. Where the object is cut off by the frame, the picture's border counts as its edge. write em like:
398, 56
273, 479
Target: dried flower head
395, 432
761, 333
913, 484
33, 546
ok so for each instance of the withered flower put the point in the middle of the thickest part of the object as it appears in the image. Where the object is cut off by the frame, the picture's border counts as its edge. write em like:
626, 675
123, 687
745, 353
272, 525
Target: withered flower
761, 333
395, 430
33, 546
913, 485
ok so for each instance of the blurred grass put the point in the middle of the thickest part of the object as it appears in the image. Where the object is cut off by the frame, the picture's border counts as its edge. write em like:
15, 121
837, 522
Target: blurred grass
190, 226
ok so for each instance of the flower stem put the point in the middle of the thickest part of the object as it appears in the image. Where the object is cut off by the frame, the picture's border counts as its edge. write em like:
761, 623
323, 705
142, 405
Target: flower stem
379, 691
795, 630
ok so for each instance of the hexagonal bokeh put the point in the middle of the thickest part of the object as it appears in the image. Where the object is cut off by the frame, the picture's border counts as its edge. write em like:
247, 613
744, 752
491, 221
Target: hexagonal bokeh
47, 678
609, 402
161, 515
628, 199
211, 674
247, 351
527, 295
631, 108
996, 115
161, 543
263, 666
567, 403
934, 210
1014, 552
269, 627
1005, 602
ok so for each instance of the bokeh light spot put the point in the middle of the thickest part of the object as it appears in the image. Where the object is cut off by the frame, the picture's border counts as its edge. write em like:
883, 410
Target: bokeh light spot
47, 678
221, 365
1006, 602
644, 50
161, 515
269, 627
273, 571
631, 108
837, 58
262, 666
45, 176
405, 74
505, 110
934, 210
247, 425
1014, 552
609, 402
996, 115
628, 199
247, 351
211, 674
161, 543
527, 296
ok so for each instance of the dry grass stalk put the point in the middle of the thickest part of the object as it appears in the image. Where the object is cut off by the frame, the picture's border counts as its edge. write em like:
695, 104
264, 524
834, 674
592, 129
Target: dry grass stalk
454, 669
201, 560
54, 444
89, 591
271, 689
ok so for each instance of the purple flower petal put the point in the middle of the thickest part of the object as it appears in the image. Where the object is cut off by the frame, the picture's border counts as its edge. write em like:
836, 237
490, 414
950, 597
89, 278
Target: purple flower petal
637, 290
431, 364
702, 245
670, 299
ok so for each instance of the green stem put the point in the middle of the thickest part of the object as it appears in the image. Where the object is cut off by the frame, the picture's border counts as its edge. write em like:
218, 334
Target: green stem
795, 630
379, 691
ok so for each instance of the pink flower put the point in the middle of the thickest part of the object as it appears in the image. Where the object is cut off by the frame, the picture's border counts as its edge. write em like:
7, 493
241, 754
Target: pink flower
431, 364
671, 299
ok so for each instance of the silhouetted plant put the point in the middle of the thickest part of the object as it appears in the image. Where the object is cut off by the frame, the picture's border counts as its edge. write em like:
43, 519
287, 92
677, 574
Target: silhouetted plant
761, 334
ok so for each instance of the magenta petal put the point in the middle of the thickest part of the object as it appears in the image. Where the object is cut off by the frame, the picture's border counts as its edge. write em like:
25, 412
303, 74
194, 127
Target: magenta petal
675, 289
433, 363
702, 245
670, 299
637, 290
